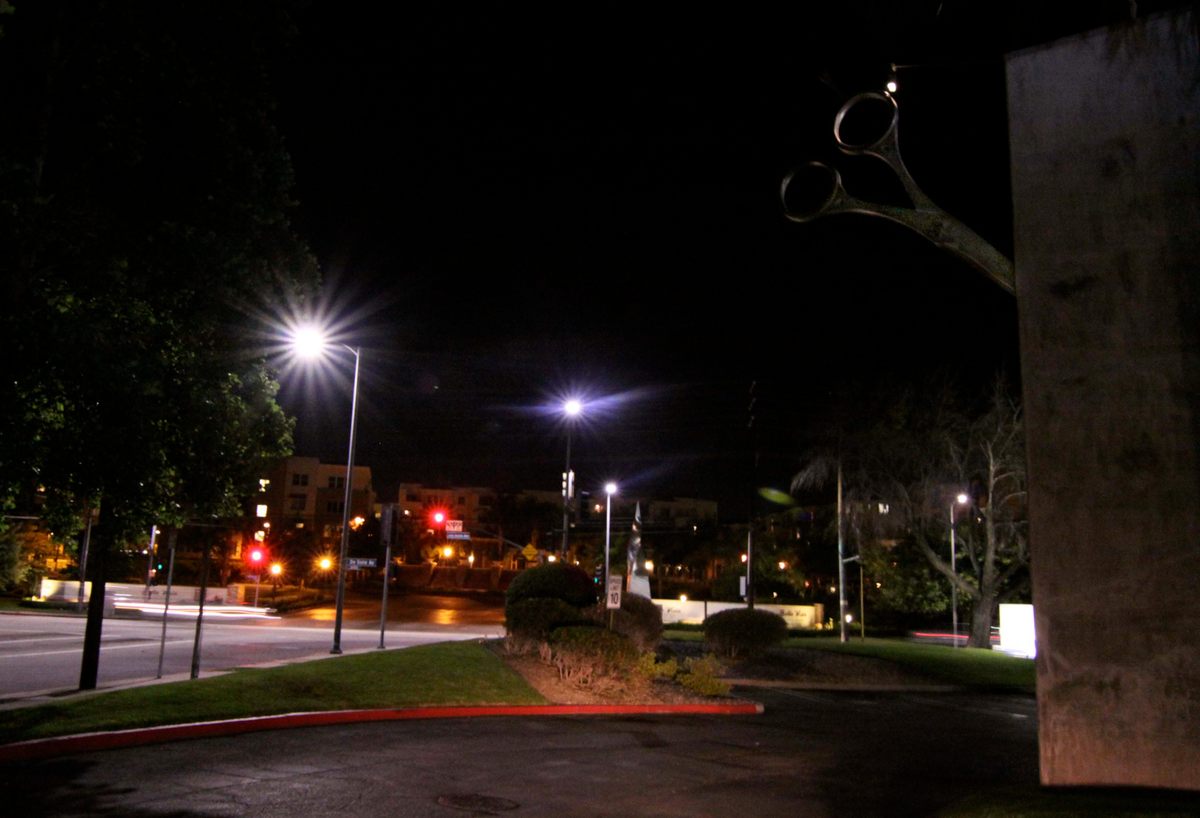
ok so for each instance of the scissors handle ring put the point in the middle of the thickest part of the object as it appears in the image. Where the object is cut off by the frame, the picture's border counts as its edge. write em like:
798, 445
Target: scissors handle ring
835, 199
881, 143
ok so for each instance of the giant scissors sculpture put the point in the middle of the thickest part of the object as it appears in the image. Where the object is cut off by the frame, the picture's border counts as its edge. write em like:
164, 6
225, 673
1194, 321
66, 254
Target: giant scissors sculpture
876, 115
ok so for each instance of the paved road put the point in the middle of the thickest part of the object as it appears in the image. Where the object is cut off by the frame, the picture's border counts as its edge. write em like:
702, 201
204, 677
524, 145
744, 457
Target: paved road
41, 654
809, 754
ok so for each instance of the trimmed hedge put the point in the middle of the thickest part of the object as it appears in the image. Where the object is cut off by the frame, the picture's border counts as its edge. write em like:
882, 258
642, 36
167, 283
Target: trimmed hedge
569, 583
640, 620
588, 654
534, 619
744, 631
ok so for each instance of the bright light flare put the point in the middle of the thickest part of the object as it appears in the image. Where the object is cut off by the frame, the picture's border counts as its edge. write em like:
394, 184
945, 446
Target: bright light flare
610, 489
308, 341
962, 499
572, 407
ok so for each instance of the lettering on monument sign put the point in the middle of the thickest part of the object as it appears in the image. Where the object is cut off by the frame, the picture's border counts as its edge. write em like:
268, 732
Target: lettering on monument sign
355, 563
453, 525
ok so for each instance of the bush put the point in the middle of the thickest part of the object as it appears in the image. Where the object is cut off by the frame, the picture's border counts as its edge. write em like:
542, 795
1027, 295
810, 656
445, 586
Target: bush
640, 620
700, 676
744, 631
586, 654
569, 583
531, 620
650, 668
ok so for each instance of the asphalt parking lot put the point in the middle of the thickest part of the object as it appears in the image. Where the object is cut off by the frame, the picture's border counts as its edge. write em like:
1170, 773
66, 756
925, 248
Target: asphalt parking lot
809, 754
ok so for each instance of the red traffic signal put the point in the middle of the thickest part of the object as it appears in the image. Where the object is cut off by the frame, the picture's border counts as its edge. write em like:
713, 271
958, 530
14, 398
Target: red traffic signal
257, 555
437, 517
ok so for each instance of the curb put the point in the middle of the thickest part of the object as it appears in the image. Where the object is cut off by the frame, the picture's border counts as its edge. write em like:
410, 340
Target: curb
88, 742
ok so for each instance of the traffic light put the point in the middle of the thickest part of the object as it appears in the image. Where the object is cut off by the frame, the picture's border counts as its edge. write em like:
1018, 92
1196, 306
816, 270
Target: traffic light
437, 520
257, 556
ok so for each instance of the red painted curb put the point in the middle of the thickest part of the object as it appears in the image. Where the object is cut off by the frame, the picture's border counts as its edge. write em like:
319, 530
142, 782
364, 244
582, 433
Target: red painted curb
87, 742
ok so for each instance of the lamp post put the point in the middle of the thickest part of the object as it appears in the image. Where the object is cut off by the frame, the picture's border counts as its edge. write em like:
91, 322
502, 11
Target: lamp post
572, 409
609, 490
961, 500
310, 343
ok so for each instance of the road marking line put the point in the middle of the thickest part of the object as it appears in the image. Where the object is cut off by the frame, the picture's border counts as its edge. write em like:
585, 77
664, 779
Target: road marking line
103, 647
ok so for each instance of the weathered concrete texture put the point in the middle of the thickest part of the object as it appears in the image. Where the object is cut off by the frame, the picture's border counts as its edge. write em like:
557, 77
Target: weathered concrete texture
1105, 136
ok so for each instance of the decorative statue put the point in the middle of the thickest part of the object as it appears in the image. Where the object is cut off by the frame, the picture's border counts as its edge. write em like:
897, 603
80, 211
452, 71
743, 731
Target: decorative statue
637, 579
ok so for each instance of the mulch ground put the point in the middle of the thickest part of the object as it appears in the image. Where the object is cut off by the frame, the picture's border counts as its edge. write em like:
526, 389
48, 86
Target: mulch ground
783, 665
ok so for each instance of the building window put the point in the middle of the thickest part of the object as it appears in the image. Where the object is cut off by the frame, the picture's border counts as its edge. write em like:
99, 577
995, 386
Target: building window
297, 502
299, 479
337, 482
334, 507
412, 498
462, 501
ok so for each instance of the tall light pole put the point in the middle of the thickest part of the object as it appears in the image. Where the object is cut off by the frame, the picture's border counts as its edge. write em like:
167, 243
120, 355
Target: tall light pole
572, 409
609, 490
310, 343
961, 500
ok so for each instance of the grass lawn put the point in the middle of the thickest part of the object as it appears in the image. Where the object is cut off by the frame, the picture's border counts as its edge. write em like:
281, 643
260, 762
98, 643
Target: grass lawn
448, 673
970, 667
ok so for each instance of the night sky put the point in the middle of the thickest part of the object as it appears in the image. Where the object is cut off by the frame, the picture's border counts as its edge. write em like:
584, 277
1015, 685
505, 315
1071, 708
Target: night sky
511, 207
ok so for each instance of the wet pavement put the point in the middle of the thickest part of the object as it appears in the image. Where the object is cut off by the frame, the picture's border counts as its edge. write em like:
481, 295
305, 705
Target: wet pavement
809, 754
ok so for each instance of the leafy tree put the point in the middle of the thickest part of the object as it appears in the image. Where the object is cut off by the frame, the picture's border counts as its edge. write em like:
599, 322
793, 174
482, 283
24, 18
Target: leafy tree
145, 194
901, 475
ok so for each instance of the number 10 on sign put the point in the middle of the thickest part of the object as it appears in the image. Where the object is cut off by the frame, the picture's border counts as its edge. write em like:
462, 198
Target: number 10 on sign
614, 594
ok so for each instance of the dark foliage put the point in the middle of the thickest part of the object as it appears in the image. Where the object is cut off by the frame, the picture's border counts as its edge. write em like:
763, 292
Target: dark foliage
744, 631
569, 583
640, 621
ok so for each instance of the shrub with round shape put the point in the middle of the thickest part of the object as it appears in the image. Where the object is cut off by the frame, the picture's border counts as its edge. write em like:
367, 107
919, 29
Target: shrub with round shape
640, 620
744, 631
534, 619
570, 583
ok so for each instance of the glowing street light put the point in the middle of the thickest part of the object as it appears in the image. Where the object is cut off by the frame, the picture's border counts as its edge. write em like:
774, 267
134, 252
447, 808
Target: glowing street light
962, 500
572, 408
310, 342
609, 490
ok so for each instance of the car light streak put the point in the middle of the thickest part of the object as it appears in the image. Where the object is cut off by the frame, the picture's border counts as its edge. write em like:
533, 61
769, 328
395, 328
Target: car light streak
192, 610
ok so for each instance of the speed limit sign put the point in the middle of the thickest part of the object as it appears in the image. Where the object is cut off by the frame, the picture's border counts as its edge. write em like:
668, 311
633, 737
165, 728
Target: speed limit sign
613, 602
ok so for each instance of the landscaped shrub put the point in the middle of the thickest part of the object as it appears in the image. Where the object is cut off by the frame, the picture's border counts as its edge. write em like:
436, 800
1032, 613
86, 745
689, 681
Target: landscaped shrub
569, 583
700, 675
744, 631
585, 655
640, 620
648, 667
530, 621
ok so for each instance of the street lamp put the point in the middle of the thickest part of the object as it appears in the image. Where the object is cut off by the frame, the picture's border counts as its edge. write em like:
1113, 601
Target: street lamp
961, 500
609, 490
310, 342
571, 408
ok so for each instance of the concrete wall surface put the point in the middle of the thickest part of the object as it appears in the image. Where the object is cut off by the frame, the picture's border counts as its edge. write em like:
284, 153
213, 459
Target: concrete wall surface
1105, 141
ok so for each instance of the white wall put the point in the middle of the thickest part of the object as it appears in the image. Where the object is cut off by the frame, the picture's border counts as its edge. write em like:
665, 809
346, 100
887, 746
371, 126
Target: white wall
694, 612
